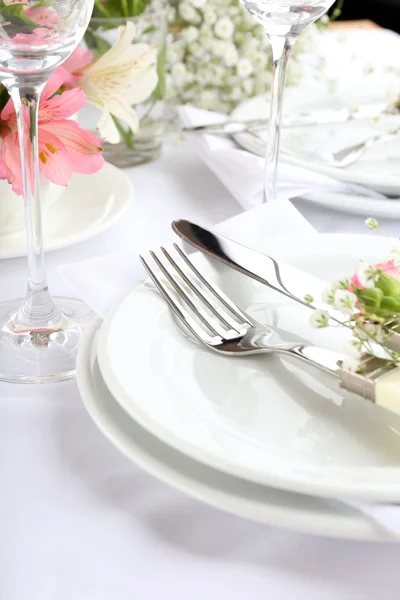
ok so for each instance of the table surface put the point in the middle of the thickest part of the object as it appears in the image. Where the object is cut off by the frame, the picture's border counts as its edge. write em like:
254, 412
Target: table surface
78, 521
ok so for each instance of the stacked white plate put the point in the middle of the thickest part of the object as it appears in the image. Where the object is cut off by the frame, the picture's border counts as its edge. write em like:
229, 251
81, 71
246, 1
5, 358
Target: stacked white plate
260, 437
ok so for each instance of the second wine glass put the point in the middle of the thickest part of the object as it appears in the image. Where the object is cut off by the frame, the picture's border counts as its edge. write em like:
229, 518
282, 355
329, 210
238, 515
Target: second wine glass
283, 22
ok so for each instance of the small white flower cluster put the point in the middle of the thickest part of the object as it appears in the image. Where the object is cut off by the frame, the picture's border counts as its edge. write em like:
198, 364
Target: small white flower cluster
217, 55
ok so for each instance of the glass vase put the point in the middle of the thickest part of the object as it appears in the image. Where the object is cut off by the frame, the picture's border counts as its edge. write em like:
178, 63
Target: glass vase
146, 144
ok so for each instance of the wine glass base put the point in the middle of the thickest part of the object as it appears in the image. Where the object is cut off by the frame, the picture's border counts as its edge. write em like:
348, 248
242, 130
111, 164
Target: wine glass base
41, 355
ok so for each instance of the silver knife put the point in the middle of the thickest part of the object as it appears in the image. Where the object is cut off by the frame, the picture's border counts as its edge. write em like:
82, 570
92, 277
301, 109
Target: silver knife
327, 117
277, 275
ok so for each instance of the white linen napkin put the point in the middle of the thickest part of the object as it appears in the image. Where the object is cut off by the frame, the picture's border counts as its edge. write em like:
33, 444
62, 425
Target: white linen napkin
101, 281
242, 172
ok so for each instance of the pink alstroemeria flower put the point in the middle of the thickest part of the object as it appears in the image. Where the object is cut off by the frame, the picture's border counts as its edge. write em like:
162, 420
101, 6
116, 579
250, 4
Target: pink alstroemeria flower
75, 65
43, 15
388, 266
64, 147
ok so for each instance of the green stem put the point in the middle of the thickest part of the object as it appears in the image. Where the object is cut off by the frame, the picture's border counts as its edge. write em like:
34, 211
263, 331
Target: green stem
100, 6
127, 136
337, 10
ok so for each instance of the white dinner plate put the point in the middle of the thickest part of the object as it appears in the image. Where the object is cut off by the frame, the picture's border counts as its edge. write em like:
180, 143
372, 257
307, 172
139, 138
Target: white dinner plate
88, 206
378, 169
231, 494
261, 418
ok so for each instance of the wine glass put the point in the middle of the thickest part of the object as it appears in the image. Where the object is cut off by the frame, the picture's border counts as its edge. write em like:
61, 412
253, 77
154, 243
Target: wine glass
39, 335
283, 21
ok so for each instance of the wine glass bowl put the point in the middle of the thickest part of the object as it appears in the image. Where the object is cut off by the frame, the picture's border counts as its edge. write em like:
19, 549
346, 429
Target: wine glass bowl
39, 335
40, 36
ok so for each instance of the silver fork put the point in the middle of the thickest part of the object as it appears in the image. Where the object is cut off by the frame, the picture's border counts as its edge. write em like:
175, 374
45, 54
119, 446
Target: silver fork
225, 328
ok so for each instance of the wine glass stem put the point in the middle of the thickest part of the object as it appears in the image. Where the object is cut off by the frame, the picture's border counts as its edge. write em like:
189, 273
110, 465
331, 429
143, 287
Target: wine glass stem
38, 309
281, 47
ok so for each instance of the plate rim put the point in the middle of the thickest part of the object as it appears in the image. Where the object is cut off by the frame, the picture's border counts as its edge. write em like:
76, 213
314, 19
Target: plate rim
369, 492
354, 526
124, 202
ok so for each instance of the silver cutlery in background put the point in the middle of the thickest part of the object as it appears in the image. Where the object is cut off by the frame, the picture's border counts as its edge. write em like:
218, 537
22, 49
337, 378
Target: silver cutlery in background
326, 117
344, 157
279, 276
216, 322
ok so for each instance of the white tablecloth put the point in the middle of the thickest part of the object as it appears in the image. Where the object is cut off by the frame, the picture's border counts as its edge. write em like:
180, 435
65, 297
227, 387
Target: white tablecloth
78, 521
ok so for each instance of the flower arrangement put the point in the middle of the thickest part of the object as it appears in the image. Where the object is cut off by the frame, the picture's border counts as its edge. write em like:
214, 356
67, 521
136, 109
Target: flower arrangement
370, 301
218, 56
111, 82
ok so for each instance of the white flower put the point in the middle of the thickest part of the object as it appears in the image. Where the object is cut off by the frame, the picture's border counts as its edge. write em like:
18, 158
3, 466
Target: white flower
209, 16
371, 331
178, 73
244, 68
198, 3
371, 223
319, 318
219, 48
224, 28
190, 34
353, 348
188, 13
340, 283
124, 75
208, 98
328, 295
248, 86
366, 275
175, 53
350, 363
345, 301
171, 15
231, 56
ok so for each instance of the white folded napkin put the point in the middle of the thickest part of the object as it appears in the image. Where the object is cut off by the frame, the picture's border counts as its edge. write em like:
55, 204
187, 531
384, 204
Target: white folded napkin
101, 281
242, 172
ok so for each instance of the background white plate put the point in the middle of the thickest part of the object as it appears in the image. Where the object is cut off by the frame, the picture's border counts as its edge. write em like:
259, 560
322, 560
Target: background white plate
89, 205
260, 503
259, 418
378, 168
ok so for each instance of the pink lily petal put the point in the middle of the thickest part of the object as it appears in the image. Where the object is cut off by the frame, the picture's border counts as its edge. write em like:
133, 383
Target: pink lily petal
54, 83
62, 106
11, 157
54, 161
78, 60
83, 147
43, 15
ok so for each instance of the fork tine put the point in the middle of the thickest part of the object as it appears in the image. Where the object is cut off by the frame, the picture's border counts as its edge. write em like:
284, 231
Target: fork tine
214, 289
180, 312
223, 317
198, 311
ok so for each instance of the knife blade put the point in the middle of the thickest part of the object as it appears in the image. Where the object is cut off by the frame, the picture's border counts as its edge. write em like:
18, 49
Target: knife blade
277, 275
326, 117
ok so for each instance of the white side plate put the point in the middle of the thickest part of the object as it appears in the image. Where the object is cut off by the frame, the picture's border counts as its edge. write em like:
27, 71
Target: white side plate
89, 205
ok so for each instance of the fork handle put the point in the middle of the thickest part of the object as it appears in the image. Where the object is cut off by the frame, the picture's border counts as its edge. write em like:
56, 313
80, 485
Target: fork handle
323, 359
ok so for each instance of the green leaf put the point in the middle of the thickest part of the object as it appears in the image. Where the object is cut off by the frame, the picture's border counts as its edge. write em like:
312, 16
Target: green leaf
16, 15
371, 298
159, 92
390, 304
127, 136
96, 43
389, 285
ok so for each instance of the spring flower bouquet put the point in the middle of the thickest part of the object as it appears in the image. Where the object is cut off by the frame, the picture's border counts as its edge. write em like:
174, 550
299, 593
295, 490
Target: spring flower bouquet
109, 82
369, 300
